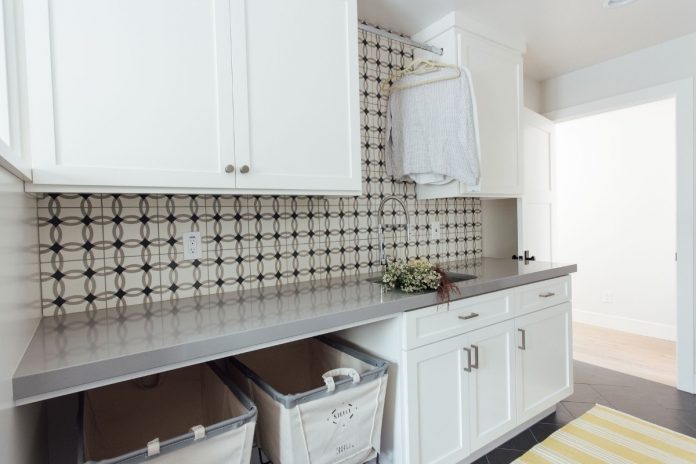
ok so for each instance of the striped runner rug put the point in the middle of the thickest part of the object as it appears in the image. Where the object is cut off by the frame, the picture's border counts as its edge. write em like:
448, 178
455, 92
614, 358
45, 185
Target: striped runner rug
604, 435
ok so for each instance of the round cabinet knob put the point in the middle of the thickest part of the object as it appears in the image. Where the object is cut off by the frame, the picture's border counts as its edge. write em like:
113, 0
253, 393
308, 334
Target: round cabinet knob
229, 168
244, 169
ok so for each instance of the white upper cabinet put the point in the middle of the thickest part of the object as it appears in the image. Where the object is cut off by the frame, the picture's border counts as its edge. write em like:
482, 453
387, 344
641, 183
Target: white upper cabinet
495, 62
497, 75
193, 95
11, 153
138, 93
296, 98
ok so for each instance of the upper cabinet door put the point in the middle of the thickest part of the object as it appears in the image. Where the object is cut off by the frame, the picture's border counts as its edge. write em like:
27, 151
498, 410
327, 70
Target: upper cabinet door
130, 92
296, 95
496, 72
11, 153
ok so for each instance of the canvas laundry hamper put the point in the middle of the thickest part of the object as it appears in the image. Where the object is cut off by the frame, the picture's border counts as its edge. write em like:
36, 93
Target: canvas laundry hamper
190, 415
319, 401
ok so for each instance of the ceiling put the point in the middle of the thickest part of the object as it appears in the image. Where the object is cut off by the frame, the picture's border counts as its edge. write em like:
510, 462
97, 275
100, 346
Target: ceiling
562, 35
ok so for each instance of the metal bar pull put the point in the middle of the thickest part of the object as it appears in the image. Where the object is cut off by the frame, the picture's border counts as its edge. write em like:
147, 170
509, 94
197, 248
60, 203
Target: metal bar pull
523, 346
469, 316
468, 360
476, 349
546, 294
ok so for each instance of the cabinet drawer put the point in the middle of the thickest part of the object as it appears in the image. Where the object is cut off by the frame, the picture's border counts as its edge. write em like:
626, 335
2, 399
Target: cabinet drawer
435, 323
544, 294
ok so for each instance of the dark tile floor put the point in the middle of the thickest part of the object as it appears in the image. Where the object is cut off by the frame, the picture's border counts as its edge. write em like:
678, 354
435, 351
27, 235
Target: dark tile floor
654, 402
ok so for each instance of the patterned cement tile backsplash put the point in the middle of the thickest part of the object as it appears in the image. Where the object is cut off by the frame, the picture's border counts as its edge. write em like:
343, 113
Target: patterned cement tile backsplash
117, 250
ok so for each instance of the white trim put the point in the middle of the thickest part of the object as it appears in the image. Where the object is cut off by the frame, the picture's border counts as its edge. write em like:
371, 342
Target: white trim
617, 102
11, 151
626, 324
40, 189
683, 92
14, 165
463, 21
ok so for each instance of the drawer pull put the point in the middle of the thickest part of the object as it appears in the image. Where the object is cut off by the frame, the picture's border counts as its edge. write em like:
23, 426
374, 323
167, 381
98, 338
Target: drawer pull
475, 363
468, 359
547, 295
523, 346
469, 316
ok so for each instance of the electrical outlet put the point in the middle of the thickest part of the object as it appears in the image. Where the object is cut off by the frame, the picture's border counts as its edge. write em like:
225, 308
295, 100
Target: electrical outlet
412, 232
192, 245
434, 231
607, 297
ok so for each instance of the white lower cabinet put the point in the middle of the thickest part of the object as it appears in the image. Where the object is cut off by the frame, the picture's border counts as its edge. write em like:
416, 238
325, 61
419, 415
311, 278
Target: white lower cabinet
470, 375
467, 391
436, 402
460, 394
544, 360
492, 408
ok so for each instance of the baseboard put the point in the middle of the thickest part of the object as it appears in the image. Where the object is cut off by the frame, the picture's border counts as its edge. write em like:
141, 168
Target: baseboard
626, 324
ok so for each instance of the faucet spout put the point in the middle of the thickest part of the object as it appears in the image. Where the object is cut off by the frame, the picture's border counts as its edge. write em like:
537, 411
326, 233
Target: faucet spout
395, 227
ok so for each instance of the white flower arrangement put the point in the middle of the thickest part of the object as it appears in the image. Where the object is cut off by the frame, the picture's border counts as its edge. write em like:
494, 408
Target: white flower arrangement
412, 276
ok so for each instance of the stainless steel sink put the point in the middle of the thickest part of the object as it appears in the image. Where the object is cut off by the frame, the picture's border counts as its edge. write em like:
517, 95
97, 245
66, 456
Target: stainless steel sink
453, 277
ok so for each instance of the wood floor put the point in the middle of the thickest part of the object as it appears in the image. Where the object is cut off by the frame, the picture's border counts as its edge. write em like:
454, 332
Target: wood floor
645, 357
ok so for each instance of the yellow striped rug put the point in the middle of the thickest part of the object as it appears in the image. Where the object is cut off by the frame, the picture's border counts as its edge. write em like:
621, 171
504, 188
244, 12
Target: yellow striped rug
604, 435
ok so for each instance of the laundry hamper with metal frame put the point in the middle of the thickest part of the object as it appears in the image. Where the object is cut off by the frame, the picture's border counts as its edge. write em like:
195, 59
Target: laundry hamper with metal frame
306, 415
194, 414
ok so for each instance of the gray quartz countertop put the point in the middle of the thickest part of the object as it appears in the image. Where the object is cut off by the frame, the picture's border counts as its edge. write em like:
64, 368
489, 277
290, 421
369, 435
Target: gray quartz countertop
75, 352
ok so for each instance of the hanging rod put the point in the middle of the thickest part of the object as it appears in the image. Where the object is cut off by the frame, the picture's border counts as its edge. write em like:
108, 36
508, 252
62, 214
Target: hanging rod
398, 38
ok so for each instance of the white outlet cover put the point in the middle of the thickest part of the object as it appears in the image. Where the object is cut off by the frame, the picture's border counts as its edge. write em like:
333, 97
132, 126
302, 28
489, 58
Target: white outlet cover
192, 245
434, 231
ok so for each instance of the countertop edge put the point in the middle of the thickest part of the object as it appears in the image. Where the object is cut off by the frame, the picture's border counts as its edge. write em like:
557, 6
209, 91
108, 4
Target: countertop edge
57, 382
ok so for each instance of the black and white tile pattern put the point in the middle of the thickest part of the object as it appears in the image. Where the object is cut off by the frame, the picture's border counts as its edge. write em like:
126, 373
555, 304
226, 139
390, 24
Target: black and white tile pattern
100, 251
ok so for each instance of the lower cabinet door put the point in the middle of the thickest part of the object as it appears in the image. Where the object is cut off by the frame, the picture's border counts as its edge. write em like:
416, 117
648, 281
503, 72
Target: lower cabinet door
544, 360
491, 385
436, 402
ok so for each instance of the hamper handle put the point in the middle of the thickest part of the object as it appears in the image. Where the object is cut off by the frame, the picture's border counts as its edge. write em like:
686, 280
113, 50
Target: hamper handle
153, 447
343, 371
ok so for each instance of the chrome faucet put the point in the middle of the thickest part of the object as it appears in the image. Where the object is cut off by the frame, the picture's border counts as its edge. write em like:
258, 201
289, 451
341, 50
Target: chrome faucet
393, 227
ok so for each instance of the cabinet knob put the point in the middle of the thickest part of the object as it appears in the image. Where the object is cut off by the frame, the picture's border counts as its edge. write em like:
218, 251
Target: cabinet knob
229, 168
244, 169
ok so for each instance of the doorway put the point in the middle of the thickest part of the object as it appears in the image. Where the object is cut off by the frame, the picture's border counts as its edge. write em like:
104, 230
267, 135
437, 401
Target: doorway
683, 93
616, 217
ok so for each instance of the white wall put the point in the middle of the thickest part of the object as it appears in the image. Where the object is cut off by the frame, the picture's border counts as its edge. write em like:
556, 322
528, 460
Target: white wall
22, 438
532, 95
616, 177
499, 226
